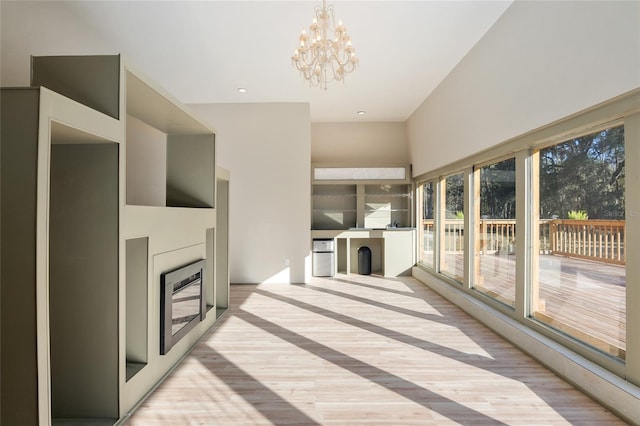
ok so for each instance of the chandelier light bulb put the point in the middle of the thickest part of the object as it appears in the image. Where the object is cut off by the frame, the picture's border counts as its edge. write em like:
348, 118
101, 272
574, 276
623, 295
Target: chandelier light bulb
329, 55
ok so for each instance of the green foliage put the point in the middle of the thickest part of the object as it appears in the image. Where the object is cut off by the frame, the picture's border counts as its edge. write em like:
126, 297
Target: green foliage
429, 201
578, 215
459, 215
582, 174
454, 198
498, 190
585, 173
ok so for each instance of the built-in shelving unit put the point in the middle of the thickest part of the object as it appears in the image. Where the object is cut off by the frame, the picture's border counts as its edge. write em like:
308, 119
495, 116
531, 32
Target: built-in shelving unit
116, 182
387, 205
361, 197
334, 206
359, 206
83, 278
159, 132
60, 259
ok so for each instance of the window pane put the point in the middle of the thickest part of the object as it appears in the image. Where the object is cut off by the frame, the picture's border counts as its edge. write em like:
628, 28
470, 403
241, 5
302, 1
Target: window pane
428, 203
452, 261
581, 281
359, 173
496, 233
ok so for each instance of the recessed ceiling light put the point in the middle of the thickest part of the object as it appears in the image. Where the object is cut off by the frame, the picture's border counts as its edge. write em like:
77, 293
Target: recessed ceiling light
361, 112
242, 90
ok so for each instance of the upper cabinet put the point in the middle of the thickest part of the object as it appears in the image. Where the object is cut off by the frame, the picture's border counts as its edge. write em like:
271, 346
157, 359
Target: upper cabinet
378, 197
170, 155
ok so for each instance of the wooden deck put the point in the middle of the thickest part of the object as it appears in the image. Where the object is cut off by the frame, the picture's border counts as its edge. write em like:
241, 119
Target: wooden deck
359, 350
584, 298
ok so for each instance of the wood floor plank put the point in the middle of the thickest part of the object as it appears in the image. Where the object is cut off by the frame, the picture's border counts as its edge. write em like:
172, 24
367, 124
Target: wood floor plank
584, 298
359, 350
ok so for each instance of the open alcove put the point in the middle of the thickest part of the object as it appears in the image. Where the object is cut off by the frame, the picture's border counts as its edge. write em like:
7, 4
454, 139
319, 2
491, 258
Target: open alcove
83, 277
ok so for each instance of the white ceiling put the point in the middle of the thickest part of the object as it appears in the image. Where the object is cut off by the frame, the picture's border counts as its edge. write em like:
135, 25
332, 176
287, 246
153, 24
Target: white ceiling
202, 51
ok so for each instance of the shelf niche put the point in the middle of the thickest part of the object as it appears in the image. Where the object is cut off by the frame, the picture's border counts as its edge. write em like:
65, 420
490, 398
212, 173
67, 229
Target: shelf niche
170, 155
167, 170
210, 270
184, 147
376, 245
137, 277
222, 243
387, 205
83, 276
334, 206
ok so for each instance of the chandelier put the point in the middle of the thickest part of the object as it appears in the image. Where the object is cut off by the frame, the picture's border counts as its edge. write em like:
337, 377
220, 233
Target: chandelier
325, 53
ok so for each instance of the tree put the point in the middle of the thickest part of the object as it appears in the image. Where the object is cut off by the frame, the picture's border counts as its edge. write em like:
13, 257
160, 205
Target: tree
454, 195
498, 190
428, 201
584, 173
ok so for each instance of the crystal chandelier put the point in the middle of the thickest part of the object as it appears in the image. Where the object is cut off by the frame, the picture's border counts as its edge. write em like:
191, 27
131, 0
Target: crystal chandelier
325, 54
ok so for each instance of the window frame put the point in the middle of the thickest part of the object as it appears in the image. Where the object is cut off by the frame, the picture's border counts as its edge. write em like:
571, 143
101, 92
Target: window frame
625, 110
475, 266
419, 214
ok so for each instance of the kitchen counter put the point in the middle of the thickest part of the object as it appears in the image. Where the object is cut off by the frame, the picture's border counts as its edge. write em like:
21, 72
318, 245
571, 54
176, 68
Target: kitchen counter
393, 250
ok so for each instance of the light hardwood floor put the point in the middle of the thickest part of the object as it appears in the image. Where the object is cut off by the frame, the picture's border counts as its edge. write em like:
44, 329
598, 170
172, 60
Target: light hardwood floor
583, 298
358, 350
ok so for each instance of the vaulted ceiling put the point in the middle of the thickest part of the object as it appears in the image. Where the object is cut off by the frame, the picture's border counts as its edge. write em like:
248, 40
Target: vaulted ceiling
202, 51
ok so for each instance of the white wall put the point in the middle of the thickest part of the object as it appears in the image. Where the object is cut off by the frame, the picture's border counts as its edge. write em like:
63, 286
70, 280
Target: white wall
266, 148
366, 143
540, 62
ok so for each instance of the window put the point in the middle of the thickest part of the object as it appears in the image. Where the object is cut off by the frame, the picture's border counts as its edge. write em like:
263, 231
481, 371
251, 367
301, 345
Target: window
536, 228
496, 231
580, 285
428, 222
359, 173
452, 260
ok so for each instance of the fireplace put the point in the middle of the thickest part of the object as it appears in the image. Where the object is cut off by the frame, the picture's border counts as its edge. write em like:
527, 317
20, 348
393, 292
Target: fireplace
182, 302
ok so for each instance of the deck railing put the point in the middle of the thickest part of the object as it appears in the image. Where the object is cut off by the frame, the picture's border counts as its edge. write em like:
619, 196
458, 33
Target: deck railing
600, 240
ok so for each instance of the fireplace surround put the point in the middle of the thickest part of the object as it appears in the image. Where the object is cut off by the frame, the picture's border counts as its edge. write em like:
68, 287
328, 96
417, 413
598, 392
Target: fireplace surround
182, 302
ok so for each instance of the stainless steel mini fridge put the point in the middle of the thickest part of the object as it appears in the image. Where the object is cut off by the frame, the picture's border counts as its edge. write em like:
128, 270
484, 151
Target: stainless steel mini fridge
323, 257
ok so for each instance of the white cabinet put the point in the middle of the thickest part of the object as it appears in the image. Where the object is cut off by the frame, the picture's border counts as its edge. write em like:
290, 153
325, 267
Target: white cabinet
392, 251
